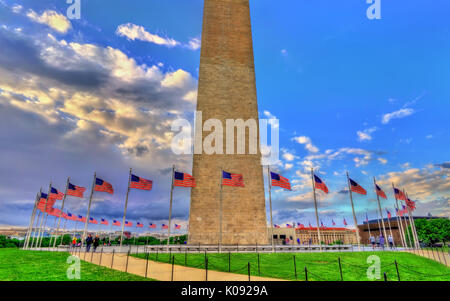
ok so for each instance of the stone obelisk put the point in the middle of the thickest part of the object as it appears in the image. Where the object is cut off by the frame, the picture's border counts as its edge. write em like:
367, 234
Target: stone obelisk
227, 90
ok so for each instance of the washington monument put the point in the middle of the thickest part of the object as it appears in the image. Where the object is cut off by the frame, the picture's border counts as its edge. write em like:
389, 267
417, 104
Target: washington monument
227, 90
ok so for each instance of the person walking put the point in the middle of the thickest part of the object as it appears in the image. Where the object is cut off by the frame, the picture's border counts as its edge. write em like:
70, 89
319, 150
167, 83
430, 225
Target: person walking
391, 241
378, 241
74, 242
382, 241
372, 242
88, 242
96, 242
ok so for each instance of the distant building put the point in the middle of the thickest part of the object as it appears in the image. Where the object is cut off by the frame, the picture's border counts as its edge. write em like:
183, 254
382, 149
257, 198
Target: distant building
376, 228
308, 235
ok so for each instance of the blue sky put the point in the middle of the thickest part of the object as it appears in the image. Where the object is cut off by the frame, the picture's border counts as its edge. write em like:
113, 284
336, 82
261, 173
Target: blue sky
97, 94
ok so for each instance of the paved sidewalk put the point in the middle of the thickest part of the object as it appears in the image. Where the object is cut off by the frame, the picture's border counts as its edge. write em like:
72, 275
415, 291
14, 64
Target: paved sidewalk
163, 271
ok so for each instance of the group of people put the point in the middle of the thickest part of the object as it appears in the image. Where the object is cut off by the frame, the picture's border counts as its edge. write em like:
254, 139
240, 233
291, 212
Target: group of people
90, 241
379, 241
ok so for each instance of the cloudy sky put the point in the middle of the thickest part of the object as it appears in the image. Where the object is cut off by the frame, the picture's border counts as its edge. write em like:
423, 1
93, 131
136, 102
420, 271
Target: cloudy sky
99, 94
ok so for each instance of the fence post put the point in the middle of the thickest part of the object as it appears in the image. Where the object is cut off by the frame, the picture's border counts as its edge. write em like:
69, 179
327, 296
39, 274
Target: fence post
295, 268
173, 263
206, 268
126, 267
439, 257
259, 269
340, 268
248, 266
443, 255
396, 267
146, 265
385, 277
306, 274
229, 261
432, 253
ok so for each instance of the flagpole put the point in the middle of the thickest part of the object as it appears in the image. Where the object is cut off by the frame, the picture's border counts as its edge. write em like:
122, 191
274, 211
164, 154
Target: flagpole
170, 208
34, 237
64, 230
390, 230
44, 213
406, 224
315, 206
353, 210
410, 222
414, 225
43, 231
368, 227
89, 210
399, 220
52, 232
379, 208
270, 204
125, 209
62, 209
32, 217
220, 210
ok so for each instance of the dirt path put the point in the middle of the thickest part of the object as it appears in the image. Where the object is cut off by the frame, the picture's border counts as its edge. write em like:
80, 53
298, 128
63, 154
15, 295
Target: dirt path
163, 271
439, 256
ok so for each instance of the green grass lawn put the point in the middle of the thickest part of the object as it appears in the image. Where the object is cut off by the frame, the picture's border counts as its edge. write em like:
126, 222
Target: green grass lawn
19, 265
320, 266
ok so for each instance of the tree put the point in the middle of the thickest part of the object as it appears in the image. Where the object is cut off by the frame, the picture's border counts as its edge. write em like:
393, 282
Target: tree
431, 231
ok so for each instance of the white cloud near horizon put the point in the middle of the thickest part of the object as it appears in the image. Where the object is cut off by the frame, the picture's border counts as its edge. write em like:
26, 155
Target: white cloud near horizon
51, 18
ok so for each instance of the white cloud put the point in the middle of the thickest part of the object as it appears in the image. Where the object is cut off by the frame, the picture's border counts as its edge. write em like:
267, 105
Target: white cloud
51, 18
382, 160
397, 115
17, 8
309, 146
194, 43
136, 32
366, 134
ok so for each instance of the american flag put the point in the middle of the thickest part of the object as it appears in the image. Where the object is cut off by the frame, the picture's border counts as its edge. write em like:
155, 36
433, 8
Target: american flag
389, 214
319, 184
398, 212
116, 223
399, 195
404, 211
276, 226
182, 179
45, 205
139, 225
56, 194
152, 226
309, 223
71, 216
104, 222
177, 226
411, 204
93, 221
54, 212
164, 226
280, 181
300, 225
231, 179
128, 224
321, 224
380, 192
333, 223
288, 226
76, 191
140, 183
356, 188
81, 219
103, 186
345, 222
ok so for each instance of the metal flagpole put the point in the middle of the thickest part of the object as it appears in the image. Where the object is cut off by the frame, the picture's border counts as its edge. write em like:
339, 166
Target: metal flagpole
89, 210
379, 208
399, 221
170, 208
32, 217
62, 209
353, 210
413, 224
270, 204
110, 232
220, 210
52, 232
368, 227
63, 230
414, 239
406, 227
315, 206
43, 231
390, 230
34, 237
125, 209
44, 213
